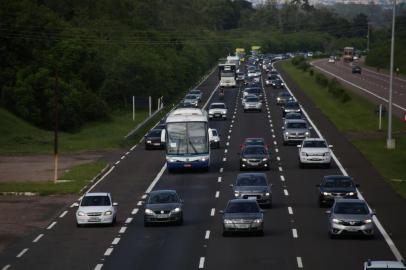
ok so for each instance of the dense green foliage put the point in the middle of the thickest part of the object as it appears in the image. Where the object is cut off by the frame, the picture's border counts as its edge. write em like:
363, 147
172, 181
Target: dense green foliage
99, 53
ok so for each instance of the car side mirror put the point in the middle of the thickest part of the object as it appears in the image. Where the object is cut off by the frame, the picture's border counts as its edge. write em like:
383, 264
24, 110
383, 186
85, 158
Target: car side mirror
262, 211
330, 146
310, 127
231, 185
115, 204
76, 204
373, 212
298, 146
182, 201
328, 212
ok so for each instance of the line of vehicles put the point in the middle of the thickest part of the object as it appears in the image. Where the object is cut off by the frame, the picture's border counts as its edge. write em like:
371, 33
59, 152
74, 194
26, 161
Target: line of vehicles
187, 138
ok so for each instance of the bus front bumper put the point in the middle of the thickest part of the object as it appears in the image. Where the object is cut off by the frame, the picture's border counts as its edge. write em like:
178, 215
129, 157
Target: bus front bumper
194, 164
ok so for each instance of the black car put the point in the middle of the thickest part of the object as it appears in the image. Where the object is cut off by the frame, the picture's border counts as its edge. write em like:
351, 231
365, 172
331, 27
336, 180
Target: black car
242, 215
356, 69
284, 97
254, 141
153, 139
277, 84
163, 206
292, 106
254, 157
336, 186
253, 186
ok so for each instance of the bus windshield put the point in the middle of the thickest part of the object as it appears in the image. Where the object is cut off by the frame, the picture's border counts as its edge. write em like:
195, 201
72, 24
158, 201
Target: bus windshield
187, 138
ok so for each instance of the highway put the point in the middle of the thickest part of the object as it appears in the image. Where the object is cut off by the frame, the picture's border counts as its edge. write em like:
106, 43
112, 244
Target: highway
373, 85
295, 228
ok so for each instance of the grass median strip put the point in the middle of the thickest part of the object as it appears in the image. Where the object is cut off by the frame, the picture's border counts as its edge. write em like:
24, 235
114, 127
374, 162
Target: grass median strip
71, 182
356, 118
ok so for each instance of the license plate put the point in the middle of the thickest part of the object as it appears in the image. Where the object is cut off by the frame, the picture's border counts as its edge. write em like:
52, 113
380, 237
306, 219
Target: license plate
243, 226
157, 144
94, 219
252, 197
187, 165
162, 216
315, 159
217, 115
352, 229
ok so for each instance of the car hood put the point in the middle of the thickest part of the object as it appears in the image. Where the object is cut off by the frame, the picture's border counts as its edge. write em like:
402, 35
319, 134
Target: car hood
242, 215
261, 189
162, 206
337, 189
314, 150
347, 217
91, 209
217, 110
257, 156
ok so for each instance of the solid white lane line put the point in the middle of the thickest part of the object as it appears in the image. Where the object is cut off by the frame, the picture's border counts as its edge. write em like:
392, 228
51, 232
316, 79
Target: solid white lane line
38, 238
299, 262
207, 235
282, 178
285, 191
51, 225
6, 267
132, 148
123, 157
290, 210
108, 252
201, 263
156, 179
128, 220
280, 168
219, 179
294, 233
116, 240
278, 158
221, 170
19, 255
99, 266
134, 211
139, 203
212, 212
117, 162
63, 214
217, 194
122, 230
101, 178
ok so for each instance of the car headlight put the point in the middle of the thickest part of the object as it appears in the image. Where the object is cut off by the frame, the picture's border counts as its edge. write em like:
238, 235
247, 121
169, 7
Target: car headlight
258, 220
176, 210
223, 112
236, 194
148, 141
326, 193
149, 212
351, 193
203, 159
108, 213
81, 214
170, 160
278, 99
286, 133
307, 133
303, 154
244, 159
216, 140
267, 194
227, 221
264, 159
367, 221
337, 221
327, 153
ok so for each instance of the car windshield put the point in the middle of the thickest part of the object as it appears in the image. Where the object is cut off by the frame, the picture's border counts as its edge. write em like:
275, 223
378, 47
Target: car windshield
195, 92
217, 106
351, 208
96, 201
337, 183
284, 94
242, 207
251, 180
252, 150
297, 125
293, 116
314, 144
163, 197
190, 97
252, 99
253, 91
187, 138
154, 133
292, 106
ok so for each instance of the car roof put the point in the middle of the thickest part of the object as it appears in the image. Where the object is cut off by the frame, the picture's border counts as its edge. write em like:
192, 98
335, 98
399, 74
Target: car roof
96, 194
218, 103
337, 177
251, 174
242, 201
385, 264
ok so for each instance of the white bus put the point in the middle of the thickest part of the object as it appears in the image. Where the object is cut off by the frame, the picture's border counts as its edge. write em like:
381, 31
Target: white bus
187, 139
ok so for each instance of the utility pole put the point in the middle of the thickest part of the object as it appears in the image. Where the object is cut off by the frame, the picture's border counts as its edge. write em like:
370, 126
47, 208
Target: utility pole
368, 37
390, 142
56, 93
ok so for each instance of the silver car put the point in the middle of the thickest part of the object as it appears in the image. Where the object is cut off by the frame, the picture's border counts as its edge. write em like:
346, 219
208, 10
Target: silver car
252, 103
163, 206
96, 208
350, 216
253, 186
215, 138
295, 130
191, 99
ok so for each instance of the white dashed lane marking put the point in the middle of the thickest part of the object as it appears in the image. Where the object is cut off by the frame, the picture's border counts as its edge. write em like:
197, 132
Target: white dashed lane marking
294, 233
98, 267
6, 267
139, 203
285, 191
290, 210
217, 194
224, 159
280, 168
134, 211
282, 178
212, 212
128, 220
221, 170
38, 238
299, 262
123, 157
201, 263
108, 252
51, 225
63, 214
278, 158
219, 179
122, 230
207, 235
19, 255
116, 240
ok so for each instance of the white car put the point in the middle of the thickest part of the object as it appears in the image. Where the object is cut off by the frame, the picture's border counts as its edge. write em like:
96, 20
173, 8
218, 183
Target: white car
384, 265
331, 60
218, 110
96, 208
215, 138
314, 151
252, 103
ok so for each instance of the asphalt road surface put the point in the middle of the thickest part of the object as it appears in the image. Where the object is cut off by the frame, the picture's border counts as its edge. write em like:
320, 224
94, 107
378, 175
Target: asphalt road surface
373, 85
295, 228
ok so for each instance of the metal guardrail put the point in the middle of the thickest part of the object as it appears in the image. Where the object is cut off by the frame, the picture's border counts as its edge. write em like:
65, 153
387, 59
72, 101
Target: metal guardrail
140, 125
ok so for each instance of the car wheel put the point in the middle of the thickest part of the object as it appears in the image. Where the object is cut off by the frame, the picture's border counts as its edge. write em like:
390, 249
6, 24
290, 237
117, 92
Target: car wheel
218, 145
260, 233
332, 236
285, 143
146, 147
180, 221
328, 165
79, 225
301, 165
225, 233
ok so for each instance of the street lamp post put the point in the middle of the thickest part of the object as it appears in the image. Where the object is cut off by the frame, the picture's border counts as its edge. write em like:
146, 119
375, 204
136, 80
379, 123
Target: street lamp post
56, 129
390, 142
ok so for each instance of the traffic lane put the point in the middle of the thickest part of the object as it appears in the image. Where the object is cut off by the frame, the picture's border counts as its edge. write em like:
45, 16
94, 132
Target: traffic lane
246, 251
379, 195
399, 95
126, 182
170, 243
